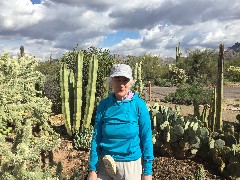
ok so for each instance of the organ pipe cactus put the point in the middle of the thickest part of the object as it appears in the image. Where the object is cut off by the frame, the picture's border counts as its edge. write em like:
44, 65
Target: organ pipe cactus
76, 116
91, 90
212, 117
219, 122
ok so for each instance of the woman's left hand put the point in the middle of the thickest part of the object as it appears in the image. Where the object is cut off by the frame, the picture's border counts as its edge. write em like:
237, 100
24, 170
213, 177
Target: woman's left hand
146, 177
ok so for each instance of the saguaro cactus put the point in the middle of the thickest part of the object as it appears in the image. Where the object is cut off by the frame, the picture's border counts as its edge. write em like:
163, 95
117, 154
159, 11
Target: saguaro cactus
22, 51
178, 52
75, 115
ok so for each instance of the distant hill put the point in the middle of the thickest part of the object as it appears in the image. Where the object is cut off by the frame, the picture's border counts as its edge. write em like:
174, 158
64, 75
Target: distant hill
235, 47
232, 51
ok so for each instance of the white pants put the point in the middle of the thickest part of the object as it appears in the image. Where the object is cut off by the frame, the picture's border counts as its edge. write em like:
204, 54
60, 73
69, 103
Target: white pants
131, 170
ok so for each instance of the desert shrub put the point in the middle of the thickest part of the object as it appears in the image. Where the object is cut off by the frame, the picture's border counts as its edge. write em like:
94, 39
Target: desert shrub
51, 87
176, 75
163, 82
200, 66
51, 90
233, 74
153, 68
187, 94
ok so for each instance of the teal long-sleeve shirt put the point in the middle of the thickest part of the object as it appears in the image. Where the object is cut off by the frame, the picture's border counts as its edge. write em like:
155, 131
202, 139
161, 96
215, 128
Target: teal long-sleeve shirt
123, 130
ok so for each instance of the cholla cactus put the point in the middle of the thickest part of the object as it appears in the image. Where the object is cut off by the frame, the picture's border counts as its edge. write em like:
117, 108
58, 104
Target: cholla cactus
176, 74
27, 114
137, 76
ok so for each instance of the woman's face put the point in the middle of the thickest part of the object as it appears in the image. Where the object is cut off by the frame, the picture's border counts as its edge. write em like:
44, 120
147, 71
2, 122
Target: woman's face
121, 86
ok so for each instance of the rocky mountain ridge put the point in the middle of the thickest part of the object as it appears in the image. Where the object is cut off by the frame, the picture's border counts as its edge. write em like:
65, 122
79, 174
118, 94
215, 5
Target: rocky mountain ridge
232, 51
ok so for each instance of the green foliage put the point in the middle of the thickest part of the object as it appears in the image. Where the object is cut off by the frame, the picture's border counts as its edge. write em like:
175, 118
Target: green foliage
23, 109
233, 74
187, 94
235, 61
152, 68
200, 66
176, 75
51, 87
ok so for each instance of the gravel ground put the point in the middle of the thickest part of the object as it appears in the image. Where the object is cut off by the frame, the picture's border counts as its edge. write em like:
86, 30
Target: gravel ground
164, 168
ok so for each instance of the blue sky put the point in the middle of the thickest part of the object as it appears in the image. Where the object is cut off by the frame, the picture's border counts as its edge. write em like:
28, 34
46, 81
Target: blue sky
53, 27
116, 37
36, 1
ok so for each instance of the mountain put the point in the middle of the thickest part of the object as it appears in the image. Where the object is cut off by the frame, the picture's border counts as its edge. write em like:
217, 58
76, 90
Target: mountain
232, 51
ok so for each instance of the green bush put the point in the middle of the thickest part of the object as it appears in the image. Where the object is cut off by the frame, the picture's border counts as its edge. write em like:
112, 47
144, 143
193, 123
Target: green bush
233, 74
51, 87
187, 94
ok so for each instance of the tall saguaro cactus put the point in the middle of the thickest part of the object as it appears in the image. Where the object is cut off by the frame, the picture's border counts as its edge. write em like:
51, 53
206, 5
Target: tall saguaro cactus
219, 107
75, 115
178, 52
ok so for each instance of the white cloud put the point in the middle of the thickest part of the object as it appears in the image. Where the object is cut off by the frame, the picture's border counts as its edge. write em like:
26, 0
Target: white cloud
56, 26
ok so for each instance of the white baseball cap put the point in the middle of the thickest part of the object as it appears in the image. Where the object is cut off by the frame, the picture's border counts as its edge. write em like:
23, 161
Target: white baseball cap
121, 70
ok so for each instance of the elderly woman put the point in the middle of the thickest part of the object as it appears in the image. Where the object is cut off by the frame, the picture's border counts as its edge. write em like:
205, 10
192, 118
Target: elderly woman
122, 145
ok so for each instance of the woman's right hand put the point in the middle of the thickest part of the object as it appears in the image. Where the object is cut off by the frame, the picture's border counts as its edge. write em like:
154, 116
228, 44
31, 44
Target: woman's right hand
92, 175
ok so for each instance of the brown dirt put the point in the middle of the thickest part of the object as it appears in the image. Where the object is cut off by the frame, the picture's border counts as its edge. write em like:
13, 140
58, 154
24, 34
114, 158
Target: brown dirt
75, 162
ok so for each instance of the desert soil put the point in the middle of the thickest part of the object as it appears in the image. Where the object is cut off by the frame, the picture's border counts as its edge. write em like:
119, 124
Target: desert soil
74, 162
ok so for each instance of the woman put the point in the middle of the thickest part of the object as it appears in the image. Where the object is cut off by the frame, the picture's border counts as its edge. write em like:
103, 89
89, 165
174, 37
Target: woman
122, 145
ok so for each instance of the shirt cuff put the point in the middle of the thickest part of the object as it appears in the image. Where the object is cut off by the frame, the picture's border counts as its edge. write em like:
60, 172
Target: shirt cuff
147, 170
